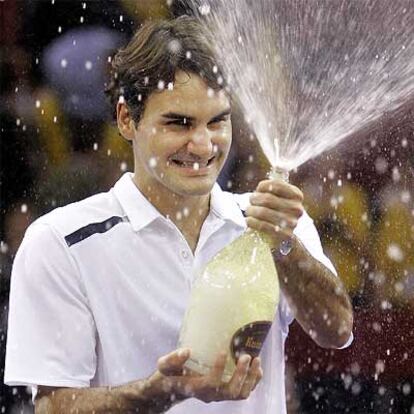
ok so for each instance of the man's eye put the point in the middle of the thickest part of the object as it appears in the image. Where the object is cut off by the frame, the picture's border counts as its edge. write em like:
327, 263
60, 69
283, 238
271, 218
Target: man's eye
218, 120
179, 122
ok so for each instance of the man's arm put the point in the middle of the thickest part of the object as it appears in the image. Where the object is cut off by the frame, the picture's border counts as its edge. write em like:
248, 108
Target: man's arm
128, 398
143, 396
316, 296
169, 385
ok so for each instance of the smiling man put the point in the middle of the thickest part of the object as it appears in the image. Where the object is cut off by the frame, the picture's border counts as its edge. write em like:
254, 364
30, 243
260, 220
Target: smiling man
100, 287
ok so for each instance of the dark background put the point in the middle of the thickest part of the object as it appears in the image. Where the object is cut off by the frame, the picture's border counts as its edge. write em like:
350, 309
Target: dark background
58, 145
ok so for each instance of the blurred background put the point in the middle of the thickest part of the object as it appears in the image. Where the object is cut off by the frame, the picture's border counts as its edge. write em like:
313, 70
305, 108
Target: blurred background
58, 145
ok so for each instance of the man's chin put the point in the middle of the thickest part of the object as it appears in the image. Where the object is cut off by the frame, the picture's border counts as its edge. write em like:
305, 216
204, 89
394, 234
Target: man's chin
194, 192
193, 189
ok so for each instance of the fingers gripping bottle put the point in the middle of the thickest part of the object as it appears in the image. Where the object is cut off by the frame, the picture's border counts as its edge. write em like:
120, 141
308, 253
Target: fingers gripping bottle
233, 302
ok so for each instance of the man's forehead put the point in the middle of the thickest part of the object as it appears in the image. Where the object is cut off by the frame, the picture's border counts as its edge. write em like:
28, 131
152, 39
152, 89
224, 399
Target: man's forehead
189, 90
192, 83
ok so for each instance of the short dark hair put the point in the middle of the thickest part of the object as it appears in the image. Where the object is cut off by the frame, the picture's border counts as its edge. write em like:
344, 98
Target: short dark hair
155, 53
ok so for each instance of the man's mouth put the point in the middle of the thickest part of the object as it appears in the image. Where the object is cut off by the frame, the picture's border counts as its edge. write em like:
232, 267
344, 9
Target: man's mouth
191, 163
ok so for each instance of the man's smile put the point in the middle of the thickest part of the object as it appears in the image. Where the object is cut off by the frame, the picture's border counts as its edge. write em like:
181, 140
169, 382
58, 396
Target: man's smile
193, 163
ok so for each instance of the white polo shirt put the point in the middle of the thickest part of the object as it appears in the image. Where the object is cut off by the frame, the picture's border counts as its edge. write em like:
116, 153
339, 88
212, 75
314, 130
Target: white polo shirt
99, 289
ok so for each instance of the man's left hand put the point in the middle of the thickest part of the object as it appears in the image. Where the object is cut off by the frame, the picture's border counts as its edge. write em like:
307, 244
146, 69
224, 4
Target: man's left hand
275, 209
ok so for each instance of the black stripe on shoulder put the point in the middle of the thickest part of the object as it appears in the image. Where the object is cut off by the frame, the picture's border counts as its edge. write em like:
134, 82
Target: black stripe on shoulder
243, 211
87, 231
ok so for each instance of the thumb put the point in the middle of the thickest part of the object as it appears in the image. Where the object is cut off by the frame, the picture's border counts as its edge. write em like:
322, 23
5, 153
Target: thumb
173, 363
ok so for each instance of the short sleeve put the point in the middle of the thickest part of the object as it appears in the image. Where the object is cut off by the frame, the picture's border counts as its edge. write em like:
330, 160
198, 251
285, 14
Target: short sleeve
51, 333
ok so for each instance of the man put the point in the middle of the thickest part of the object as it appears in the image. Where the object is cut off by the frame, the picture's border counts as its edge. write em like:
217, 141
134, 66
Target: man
100, 287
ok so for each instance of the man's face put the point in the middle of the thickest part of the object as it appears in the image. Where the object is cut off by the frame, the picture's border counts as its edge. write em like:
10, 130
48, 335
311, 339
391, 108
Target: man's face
183, 138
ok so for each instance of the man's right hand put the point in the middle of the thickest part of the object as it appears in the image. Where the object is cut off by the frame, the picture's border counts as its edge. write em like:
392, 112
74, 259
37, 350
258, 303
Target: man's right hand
170, 384
178, 383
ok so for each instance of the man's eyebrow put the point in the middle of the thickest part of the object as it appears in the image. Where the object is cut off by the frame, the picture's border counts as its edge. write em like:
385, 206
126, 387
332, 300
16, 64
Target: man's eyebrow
222, 114
175, 115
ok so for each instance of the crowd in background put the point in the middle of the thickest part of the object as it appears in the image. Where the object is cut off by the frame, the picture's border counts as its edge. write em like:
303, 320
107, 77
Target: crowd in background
58, 145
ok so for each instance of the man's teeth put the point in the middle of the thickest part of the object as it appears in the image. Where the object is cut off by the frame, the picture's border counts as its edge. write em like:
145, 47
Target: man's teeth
196, 165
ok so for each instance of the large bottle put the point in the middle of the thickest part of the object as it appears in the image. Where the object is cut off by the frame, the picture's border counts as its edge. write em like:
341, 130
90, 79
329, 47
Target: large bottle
233, 303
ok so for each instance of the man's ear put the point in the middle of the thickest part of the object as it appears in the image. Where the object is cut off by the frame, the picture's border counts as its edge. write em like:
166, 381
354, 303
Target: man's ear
126, 124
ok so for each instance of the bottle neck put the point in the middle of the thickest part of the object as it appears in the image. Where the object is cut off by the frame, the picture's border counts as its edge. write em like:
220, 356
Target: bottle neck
277, 173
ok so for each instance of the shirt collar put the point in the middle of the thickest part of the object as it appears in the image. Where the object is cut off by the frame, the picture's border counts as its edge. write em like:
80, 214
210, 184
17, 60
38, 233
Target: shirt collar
137, 208
141, 212
224, 205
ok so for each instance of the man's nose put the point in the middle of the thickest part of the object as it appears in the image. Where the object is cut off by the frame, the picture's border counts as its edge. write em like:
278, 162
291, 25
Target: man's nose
200, 142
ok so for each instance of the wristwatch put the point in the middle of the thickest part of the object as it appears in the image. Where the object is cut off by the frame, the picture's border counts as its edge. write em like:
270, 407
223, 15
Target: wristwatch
286, 247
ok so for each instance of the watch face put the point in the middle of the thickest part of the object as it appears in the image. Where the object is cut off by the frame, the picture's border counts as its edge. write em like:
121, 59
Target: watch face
286, 247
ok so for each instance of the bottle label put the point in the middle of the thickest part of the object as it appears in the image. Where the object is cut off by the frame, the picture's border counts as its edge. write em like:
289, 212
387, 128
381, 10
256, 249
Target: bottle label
249, 339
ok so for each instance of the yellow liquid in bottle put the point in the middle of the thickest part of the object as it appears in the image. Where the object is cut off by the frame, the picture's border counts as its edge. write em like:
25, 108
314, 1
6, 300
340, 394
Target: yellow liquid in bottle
233, 303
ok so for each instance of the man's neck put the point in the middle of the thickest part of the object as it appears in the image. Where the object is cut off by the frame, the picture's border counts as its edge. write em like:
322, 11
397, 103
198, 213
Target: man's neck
186, 212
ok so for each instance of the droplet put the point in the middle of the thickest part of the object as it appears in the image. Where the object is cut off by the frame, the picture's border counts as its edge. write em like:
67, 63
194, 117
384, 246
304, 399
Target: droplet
394, 252
396, 176
406, 389
381, 165
405, 196
4, 248
380, 366
174, 46
204, 9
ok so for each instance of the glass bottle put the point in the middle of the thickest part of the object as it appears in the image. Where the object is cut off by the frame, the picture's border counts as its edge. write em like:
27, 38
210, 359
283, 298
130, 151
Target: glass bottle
233, 302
